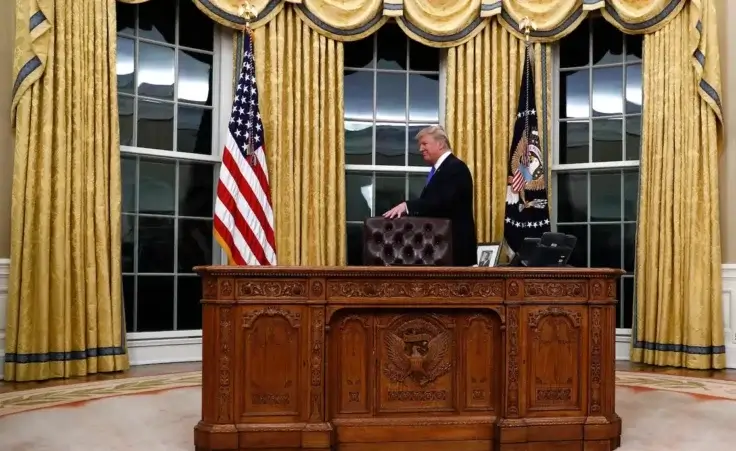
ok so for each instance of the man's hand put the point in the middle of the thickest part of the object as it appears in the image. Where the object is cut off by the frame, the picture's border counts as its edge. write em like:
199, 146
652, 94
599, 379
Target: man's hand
396, 212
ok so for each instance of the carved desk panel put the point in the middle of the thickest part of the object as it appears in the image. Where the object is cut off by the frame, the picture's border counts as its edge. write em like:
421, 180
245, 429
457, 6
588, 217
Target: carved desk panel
354, 358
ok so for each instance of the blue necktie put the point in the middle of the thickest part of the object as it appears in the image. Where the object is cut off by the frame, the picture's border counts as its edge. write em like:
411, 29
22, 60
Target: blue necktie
429, 177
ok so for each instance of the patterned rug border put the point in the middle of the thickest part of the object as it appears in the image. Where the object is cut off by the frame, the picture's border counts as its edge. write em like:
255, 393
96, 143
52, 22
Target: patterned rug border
46, 397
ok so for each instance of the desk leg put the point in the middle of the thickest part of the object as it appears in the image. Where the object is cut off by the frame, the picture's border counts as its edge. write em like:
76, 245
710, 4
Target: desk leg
318, 432
216, 430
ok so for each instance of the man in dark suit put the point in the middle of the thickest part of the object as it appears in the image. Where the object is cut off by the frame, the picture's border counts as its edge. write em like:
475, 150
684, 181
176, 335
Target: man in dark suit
447, 194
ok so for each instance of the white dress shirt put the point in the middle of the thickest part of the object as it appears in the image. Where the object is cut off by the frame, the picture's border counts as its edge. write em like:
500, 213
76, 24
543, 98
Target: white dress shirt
442, 158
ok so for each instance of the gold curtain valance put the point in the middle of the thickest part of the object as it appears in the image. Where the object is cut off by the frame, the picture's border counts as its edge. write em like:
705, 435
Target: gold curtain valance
448, 23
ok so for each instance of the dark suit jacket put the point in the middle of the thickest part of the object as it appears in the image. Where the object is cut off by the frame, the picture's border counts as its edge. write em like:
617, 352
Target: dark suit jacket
449, 195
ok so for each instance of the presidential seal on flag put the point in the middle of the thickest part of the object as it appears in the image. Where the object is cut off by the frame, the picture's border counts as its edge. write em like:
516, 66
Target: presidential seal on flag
527, 165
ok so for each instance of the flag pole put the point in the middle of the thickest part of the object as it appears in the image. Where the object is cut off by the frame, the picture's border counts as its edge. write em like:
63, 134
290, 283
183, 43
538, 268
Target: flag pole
248, 12
527, 25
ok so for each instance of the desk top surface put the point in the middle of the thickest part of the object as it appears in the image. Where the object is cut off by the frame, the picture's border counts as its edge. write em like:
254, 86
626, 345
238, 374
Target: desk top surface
407, 271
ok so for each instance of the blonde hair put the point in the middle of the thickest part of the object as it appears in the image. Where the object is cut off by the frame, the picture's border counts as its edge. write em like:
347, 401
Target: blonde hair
436, 132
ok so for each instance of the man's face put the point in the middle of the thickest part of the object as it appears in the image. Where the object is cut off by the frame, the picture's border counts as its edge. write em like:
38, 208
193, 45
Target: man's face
431, 149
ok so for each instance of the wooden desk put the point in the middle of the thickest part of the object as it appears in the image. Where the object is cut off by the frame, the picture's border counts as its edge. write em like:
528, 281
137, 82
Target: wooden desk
363, 358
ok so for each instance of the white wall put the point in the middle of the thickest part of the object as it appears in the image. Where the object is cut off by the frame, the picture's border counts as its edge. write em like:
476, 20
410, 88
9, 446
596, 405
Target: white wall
186, 346
729, 312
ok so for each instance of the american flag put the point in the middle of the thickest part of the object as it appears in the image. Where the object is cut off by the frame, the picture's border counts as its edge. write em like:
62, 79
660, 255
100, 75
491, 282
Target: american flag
243, 220
517, 182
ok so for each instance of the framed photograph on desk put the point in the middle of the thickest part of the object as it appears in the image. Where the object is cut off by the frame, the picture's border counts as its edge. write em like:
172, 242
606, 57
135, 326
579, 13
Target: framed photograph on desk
487, 254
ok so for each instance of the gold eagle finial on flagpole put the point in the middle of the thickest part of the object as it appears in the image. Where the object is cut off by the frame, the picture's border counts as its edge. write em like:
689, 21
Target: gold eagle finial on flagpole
526, 25
248, 12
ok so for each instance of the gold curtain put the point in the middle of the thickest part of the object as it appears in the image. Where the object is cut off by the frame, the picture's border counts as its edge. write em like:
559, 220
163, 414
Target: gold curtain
302, 110
678, 260
482, 86
64, 315
447, 23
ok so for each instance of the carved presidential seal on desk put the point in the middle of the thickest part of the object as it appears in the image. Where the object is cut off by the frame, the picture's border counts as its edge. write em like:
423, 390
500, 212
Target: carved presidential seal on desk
416, 349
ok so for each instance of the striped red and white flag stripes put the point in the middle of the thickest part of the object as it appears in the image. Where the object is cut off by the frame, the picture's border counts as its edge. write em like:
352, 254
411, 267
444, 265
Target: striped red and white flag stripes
243, 219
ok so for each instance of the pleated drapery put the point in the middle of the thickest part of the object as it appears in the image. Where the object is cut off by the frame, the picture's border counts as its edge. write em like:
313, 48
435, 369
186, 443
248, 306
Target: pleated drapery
679, 316
482, 86
64, 314
301, 99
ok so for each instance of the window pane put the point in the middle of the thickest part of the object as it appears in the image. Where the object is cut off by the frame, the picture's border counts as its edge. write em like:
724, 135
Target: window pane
607, 140
631, 195
188, 307
126, 65
190, 19
156, 71
423, 58
359, 54
155, 245
125, 116
195, 77
605, 196
629, 247
414, 157
390, 191
196, 189
157, 19
358, 95
127, 174
155, 125
417, 183
575, 94
155, 303
355, 244
572, 197
390, 144
619, 305
574, 139
391, 97
575, 48
424, 98
608, 91
194, 130
358, 142
605, 246
126, 17
633, 47
391, 47
129, 302
628, 302
633, 89
358, 196
157, 184
579, 256
633, 137
608, 43
128, 245
195, 244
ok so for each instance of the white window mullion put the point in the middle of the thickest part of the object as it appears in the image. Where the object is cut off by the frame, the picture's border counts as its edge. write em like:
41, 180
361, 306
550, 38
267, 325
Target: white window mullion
174, 157
374, 170
592, 167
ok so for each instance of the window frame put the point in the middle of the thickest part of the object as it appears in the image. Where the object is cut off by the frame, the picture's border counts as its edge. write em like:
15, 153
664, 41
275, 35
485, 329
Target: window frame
372, 169
222, 67
557, 168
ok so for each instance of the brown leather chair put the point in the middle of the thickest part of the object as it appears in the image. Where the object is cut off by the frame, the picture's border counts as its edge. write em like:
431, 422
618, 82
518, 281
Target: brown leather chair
407, 241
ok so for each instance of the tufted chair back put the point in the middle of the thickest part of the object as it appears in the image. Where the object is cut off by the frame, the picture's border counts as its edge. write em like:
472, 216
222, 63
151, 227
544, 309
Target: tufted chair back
407, 241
